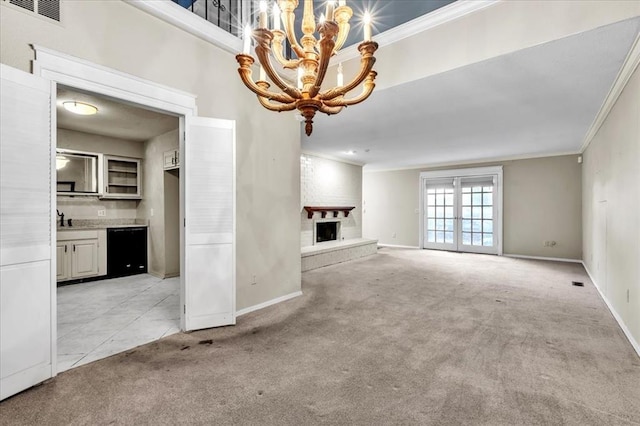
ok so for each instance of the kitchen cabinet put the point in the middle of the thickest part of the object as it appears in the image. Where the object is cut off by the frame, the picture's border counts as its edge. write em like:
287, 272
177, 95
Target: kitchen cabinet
122, 178
171, 159
80, 254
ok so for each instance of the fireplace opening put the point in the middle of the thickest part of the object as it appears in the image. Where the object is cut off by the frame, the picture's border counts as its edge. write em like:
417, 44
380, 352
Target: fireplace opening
326, 231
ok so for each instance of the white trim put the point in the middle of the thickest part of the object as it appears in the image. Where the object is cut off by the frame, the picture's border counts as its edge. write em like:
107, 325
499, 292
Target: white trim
617, 317
464, 172
81, 74
630, 64
398, 246
468, 162
552, 259
177, 15
268, 303
438, 17
330, 157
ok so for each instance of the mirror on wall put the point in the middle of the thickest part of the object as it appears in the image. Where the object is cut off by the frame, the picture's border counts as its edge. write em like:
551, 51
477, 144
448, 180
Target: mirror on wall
77, 172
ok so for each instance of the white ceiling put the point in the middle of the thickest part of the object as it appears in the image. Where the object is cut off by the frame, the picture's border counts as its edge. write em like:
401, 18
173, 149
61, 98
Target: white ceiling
114, 118
534, 102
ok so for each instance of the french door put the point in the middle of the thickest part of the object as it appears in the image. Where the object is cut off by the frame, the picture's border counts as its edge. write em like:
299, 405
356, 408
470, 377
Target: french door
462, 212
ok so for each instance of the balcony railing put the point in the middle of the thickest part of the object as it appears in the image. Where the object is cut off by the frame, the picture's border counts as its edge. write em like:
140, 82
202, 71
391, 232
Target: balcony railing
226, 14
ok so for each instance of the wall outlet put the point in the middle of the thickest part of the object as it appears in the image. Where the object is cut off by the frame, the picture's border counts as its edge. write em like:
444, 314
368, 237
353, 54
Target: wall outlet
549, 243
102, 213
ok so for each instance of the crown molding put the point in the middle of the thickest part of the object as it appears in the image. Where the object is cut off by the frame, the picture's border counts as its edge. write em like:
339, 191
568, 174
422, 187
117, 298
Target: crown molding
479, 162
433, 19
177, 15
332, 158
630, 64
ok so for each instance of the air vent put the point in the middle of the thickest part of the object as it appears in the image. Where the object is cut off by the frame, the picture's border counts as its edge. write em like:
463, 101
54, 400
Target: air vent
25, 4
47, 8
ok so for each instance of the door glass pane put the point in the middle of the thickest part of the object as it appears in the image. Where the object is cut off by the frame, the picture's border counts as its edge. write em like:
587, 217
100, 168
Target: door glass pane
448, 224
487, 199
440, 224
466, 199
440, 212
477, 226
476, 199
431, 236
431, 211
466, 225
431, 224
448, 237
487, 226
477, 212
448, 212
477, 239
487, 240
448, 199
439, 237
466, 212
440, 199
466, 238
431, 199
487, 212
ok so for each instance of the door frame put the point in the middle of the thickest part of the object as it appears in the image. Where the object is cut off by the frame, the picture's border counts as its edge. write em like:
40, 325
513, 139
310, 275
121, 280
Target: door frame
60, 68
466, 172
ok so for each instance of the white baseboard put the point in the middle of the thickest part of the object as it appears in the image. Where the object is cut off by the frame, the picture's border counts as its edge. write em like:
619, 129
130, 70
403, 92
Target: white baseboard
553, 259
268, 303
397, 246
624, 328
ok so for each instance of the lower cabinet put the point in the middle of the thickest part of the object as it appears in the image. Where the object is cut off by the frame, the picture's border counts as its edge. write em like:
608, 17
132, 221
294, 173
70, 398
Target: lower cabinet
80, 254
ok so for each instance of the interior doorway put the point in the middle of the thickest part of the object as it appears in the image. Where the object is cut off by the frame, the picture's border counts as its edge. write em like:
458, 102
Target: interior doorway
118, 227
461, 210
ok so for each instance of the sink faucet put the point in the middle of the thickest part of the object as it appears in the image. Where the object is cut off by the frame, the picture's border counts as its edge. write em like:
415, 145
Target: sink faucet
61, 217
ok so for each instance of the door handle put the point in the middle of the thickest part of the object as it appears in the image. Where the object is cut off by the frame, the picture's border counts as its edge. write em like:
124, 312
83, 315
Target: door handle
65, 248
74, 247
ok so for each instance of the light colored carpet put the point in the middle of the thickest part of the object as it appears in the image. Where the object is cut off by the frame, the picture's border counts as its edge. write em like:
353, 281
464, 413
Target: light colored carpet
401, 337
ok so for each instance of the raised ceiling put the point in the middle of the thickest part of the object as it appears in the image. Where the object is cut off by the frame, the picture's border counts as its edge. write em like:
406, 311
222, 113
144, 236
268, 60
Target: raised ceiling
534, 102
114, 119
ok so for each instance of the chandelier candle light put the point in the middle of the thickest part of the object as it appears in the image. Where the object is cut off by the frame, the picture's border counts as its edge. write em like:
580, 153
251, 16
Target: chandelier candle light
312, 60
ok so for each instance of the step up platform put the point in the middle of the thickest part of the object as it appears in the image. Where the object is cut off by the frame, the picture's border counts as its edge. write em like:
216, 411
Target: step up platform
330, 253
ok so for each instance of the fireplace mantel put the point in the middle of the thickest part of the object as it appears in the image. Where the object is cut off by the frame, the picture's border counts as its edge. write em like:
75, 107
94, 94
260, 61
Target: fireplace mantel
323, 210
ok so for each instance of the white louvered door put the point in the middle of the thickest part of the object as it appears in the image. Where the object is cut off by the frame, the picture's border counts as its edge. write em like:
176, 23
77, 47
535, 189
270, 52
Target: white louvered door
27, 289
209, 213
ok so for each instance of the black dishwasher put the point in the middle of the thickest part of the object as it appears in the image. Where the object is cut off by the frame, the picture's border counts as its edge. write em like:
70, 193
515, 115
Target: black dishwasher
126, 251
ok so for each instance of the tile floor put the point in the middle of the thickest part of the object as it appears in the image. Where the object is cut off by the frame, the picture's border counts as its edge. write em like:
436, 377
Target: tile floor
101, 318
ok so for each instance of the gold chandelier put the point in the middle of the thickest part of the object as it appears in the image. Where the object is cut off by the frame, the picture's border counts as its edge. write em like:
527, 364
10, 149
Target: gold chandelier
312, 60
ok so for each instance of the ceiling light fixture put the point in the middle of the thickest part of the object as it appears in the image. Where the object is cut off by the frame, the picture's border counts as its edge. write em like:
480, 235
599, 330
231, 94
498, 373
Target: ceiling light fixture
61, 161
312, 60
81, 108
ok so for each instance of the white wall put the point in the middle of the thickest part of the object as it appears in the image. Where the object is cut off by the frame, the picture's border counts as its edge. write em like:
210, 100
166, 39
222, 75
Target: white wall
541, 197
154, 198
325, 182
120, 36
611, 208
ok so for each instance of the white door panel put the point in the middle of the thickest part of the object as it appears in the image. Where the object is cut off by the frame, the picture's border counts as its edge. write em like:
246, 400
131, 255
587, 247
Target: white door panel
209, 213
26, 273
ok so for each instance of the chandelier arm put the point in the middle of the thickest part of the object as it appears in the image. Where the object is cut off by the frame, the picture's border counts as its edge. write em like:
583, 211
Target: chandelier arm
342, 15
278, 38
288, 18
330, 110
276, 107
245, 75
367, 89
327, 44
367, 49
262, 52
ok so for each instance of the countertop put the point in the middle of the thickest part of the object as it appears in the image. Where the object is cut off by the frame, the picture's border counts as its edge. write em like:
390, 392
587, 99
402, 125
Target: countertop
93, 224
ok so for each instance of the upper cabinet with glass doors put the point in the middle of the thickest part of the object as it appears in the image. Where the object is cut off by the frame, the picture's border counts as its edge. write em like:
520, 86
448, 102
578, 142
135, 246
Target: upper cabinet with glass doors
122, 178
